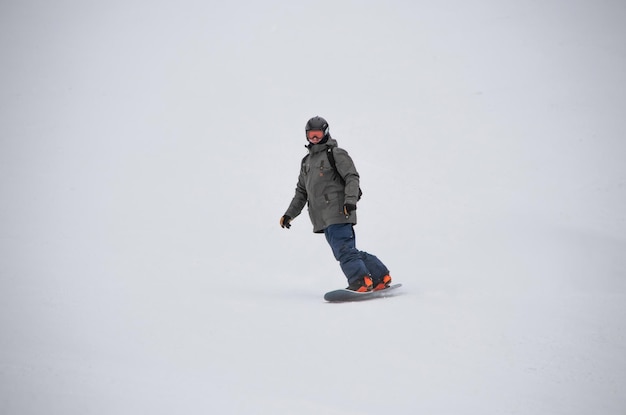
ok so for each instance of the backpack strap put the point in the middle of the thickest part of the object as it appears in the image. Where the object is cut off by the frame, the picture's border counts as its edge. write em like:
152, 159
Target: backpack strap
331, 160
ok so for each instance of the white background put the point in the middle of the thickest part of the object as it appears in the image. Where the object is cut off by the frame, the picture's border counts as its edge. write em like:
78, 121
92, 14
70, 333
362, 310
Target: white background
148, 149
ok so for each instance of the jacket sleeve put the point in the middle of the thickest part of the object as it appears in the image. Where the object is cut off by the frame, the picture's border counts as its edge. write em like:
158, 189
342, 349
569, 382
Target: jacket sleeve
347, 170
299, 199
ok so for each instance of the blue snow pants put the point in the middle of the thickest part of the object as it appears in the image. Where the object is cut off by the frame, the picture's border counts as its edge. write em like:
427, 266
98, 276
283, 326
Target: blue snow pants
355, 264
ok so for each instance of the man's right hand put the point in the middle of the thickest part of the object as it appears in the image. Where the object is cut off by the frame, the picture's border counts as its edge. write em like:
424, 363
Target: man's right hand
285, 221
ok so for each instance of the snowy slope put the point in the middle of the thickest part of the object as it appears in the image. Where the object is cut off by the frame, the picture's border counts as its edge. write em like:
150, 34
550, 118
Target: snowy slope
147, 150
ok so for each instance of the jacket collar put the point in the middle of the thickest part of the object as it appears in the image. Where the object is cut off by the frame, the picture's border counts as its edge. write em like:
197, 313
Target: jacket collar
316, 148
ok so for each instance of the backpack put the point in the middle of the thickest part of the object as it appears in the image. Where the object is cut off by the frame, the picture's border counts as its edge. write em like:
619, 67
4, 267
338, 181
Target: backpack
331, 159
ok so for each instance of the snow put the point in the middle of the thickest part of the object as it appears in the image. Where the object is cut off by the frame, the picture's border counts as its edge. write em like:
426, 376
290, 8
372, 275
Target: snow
148, 149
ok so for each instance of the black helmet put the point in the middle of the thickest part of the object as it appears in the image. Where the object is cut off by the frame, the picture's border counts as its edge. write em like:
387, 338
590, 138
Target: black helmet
317, 123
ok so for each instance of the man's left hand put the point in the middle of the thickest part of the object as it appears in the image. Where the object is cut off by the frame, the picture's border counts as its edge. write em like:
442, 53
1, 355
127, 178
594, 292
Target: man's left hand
348, 208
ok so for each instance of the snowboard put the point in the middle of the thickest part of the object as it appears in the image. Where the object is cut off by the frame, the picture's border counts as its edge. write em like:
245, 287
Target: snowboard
345, 295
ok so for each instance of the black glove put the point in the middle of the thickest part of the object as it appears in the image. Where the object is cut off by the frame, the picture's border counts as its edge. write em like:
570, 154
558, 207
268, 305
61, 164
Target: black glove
285, 221
348, 208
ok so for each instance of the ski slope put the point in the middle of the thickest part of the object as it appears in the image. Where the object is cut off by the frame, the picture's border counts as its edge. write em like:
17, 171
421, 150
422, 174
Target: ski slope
148, 149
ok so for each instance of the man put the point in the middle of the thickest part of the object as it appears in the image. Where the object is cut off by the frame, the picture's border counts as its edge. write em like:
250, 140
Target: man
329, 184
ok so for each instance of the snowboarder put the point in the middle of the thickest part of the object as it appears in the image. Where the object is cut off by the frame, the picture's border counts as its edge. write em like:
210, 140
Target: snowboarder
329, 184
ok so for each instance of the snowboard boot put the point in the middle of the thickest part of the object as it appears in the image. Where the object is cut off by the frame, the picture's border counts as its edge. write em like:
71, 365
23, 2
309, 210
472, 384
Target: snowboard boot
384, 283
362, 285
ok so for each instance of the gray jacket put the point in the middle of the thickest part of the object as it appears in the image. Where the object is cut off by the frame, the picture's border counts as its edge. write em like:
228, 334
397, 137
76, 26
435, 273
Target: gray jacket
323, 192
